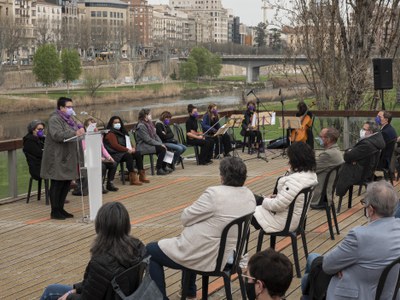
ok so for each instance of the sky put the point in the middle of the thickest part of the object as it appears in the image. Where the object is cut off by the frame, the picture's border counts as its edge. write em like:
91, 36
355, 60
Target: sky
249, 11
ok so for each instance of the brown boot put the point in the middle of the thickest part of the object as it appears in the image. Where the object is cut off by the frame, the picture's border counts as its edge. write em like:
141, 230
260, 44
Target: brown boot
133, 179
142, 176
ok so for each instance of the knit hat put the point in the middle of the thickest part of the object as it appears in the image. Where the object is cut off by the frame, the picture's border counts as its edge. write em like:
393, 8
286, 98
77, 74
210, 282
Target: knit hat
32, 125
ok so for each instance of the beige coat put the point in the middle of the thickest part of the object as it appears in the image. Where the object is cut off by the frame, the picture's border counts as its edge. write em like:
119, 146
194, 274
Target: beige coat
272, 214
327, 159
198, 244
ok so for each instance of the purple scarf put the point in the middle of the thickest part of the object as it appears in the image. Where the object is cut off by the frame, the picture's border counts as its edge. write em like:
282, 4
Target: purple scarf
69, 120
150, 127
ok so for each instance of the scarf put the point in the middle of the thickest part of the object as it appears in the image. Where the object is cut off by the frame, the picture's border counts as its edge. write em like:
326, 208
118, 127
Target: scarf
150, 128
69, 120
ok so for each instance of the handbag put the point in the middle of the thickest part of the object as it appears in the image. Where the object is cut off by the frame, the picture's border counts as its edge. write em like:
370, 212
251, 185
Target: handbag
146, 290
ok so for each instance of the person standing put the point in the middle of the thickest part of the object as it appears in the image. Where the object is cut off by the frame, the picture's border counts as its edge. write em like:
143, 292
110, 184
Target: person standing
383, 119
60, 159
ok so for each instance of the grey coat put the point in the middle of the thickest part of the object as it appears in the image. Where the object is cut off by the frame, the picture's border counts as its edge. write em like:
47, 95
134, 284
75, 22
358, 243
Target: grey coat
60, 160
361, 257
327, 159
144, 142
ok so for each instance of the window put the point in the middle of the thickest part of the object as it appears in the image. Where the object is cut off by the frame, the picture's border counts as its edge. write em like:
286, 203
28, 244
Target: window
93, 14
104, 14
98, 14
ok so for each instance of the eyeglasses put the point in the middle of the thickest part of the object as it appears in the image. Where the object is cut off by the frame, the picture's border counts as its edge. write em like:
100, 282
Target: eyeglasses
248, 277
40, 128
69, 106
363, 202
366, 204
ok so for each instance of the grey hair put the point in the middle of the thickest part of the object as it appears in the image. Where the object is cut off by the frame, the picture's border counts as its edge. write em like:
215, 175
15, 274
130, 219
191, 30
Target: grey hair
382, 197
233, 171
332, 134
373, 127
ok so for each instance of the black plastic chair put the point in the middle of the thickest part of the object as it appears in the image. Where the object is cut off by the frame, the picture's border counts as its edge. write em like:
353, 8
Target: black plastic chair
300, 230
385, 166
368, 176
182, 140
383, 277
126, 283
39, 192
242, 225
330, 207
149, 154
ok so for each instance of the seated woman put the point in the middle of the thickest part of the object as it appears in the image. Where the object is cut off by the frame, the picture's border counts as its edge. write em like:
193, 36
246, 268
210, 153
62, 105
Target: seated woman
108, 164
211, 125
33, 144
118, 144
166, 135
113, 252
271, 212
149, 142
303, 134
250, 131
196, 138
197, 246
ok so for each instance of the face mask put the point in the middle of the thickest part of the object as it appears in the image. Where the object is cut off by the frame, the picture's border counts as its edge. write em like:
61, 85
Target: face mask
117, 126
195, 114
378, 120
166, 122
214, 111
70, 111
251, 107
362, 133
320, 141
250, 291
40, 133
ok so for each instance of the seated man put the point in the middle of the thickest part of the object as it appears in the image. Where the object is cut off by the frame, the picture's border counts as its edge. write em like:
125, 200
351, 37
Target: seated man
359, 163
384, 118
326, 160
268, 276
198, 245
357, 263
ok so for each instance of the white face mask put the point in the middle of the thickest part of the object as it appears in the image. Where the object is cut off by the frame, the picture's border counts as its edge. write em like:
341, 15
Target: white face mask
362, 133
149, 117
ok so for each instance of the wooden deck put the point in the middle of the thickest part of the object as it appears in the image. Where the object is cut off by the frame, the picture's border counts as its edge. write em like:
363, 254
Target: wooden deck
36, 251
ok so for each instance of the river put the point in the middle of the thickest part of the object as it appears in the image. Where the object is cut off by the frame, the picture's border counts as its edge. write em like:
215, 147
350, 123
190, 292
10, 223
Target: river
13, 125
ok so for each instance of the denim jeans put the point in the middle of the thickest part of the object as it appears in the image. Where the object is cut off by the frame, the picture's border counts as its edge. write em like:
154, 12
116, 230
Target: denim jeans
158, 261
178, 149
304, 280
397, 211
55, 291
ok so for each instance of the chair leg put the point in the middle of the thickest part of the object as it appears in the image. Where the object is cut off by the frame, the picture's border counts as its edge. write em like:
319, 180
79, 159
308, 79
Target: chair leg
185, 287
46, 191
39, 188
122, 169
329, 220
244, 143
196, 154
204, 287
272, 240
334, 217
242, 285
228, 290
360, 189
295, 255
303, 239
181, 158
260, 240
339, 204
29, 190
152, 164
350, 197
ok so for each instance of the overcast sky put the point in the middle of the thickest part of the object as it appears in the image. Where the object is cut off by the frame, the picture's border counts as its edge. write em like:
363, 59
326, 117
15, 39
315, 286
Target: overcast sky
249, 11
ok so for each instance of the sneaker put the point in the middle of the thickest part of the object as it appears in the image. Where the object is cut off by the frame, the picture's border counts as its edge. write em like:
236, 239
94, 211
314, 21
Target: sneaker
162, 172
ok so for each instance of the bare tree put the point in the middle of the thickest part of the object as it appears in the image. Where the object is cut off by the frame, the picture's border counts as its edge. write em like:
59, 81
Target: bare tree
93, 80
84, 41
44, 33
165, 63
133, 42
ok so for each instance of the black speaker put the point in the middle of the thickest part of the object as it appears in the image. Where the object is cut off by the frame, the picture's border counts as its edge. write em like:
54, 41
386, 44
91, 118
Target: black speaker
383, 73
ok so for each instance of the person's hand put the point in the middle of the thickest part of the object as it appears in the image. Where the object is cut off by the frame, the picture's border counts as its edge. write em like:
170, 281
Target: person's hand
111, 159
80, 132
64, 297
339, 274
165, 147
272, 196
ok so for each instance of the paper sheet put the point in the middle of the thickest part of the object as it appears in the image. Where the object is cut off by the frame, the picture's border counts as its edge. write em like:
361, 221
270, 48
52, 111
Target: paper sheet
169, 156
91, 127
128, 142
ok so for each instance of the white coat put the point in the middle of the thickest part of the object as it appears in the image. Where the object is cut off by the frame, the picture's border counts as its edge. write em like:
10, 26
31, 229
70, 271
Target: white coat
198, 244
272, 214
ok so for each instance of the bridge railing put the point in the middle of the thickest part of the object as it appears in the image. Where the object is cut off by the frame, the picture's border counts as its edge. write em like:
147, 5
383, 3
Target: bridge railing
12, 160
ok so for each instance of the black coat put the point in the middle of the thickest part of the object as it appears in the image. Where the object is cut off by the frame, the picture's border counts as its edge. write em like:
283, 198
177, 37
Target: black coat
33, 149
389, 135
96, 284
164, 132
359, 164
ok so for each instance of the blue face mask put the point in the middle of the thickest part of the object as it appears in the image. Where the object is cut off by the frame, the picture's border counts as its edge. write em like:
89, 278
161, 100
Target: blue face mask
378, 120
117, 126
166, 122
214, 111
251, 107
195, 114
320, 141
70, 111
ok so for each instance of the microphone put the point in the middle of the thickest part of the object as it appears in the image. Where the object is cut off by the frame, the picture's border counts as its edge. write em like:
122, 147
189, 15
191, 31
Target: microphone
250, 92
98, 119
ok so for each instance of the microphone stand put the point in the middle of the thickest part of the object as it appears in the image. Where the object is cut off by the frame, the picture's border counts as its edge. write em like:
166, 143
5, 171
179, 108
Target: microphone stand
258, 128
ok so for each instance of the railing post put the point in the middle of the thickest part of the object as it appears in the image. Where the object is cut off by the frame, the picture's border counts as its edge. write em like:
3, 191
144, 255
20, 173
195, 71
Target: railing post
346, 134
12, 174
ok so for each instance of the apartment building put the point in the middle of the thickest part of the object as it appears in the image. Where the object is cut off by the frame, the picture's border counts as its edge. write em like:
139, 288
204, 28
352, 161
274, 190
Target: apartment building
47, 23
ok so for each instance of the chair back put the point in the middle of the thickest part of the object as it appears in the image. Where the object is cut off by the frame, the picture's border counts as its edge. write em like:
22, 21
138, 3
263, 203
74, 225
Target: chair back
333, 170
128, 281
243, 224
382, 280
33, 165
307, 193
179, 133
369, 169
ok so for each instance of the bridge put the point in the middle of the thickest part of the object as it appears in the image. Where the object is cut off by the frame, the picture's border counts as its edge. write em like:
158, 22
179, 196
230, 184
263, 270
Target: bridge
252, 63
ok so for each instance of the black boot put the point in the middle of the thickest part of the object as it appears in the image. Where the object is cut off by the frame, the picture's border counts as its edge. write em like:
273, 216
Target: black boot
111, 187
104, 190
57, 215
66, 214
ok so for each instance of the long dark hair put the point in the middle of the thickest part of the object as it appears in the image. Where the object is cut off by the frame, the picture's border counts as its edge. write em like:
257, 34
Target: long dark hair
113, 226
111, 127
301, 157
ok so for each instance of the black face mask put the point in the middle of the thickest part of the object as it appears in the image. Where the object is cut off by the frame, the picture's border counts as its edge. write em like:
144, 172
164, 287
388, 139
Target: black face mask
250, 290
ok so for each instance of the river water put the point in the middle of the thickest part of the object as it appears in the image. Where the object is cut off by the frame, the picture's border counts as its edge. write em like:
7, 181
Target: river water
13, 125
